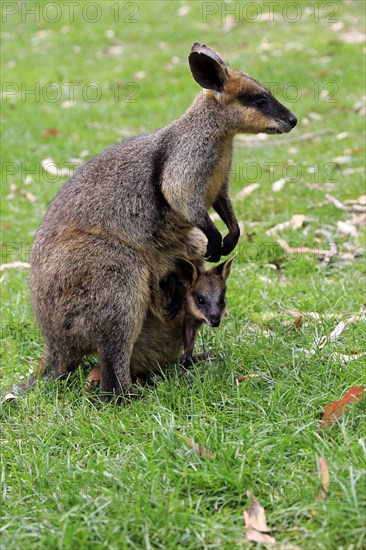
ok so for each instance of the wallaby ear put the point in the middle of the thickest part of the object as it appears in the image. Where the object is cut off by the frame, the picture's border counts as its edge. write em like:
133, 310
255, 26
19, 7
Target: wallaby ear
224, 268
187, 272
207, 67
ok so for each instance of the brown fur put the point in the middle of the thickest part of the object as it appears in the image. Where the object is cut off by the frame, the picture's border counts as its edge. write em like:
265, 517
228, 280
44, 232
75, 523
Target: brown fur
125, 219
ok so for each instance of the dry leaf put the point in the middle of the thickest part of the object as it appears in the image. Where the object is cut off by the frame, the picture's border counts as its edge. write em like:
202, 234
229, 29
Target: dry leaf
255, 522
184, 10
314, 116
343, 159
94, 376
10, 397
229, 24
279, 184
92, 380
51, 132
337, 331
343, 358
324, 478
246, 191
336, 409
140, 75
26, 194
353, 36
199, 450
358, 221
246, 377
49, 166
346, 228
297, 323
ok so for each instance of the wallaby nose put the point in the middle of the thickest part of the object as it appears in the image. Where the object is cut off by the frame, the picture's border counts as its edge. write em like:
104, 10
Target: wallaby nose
293, 121
215, 321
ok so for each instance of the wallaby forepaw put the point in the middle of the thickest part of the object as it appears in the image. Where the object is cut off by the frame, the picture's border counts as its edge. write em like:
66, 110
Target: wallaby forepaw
213, 253
230, 242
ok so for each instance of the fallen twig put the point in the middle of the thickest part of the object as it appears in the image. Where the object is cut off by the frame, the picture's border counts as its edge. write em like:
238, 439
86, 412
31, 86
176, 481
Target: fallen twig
321, 254
296, 222
14, 265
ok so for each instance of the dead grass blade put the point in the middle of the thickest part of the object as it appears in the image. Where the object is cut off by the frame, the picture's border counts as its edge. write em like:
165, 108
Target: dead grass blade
324, 478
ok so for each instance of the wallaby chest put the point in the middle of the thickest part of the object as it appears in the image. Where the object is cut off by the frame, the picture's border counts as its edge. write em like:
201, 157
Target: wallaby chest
219, 176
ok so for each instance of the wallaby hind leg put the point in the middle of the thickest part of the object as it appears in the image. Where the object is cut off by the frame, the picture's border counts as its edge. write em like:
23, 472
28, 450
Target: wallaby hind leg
115, 375
124, 327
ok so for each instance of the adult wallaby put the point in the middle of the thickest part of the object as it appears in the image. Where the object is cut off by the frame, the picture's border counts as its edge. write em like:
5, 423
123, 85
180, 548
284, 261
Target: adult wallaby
124, 219
198, 297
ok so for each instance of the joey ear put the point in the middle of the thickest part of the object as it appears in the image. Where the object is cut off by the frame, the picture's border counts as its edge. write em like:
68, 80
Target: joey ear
207, 68
224, 268
187, 272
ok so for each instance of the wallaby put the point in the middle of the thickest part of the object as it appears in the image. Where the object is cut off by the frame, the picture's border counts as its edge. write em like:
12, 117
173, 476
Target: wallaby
124, 219
196, 298
203, 301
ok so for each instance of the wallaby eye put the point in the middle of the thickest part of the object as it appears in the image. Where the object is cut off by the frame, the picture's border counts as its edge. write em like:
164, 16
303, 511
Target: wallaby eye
200, 300
260, 101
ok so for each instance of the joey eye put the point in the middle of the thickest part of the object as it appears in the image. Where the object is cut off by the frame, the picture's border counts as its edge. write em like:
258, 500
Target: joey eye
260, 101
200, 300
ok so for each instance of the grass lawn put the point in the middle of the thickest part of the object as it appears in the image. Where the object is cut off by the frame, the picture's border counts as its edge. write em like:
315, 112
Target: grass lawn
79, 475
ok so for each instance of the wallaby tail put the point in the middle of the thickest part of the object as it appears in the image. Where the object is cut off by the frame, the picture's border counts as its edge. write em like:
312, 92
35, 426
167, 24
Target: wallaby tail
40, 372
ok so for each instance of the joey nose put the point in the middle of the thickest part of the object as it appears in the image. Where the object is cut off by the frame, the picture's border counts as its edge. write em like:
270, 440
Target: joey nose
215, 321
292, 120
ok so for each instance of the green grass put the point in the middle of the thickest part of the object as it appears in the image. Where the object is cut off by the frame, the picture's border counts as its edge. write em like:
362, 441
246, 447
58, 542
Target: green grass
79, 475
